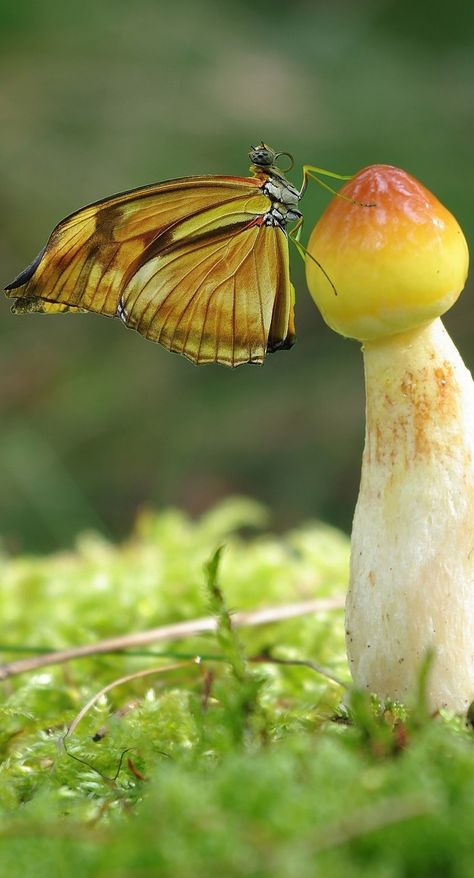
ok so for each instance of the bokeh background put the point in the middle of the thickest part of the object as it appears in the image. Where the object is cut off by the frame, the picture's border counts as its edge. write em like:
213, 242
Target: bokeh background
97, 423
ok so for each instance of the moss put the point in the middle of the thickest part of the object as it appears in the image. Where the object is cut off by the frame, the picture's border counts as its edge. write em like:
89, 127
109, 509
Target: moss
222, 768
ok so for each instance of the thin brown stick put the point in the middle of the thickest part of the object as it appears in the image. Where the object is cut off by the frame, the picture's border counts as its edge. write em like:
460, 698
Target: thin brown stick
118, 682
178, 631
305, 663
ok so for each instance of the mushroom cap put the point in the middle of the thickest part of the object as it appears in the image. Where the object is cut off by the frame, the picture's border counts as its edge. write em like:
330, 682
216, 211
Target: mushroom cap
394, 266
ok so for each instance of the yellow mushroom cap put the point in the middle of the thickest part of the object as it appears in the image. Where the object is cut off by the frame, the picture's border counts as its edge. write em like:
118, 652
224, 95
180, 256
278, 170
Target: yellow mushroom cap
394, 266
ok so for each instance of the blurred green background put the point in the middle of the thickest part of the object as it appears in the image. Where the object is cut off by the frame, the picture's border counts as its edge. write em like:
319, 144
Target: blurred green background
99, 97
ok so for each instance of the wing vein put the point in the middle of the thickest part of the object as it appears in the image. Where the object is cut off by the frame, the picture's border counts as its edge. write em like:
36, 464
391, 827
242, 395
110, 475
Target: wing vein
259, 299
193, 297
169, 292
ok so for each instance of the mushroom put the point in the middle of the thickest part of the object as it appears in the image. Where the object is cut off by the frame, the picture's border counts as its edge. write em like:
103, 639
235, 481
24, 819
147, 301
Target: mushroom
396, 267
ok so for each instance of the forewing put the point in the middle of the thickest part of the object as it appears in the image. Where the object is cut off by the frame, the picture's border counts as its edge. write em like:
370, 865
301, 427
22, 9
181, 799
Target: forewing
87, 260
227, 299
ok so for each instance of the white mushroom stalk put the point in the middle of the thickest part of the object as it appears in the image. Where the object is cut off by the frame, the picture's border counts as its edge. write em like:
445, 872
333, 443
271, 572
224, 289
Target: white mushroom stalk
397, 267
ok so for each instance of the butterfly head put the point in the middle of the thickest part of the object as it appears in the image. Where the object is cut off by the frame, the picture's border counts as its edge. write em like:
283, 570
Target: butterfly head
264, 157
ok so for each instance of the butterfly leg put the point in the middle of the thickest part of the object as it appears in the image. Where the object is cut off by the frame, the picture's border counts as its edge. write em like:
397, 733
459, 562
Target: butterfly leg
312, 170
310, 173
294, 236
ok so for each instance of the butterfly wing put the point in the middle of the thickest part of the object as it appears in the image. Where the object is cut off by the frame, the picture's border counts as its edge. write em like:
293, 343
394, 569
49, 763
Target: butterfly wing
187, 263
30, 305
225, 299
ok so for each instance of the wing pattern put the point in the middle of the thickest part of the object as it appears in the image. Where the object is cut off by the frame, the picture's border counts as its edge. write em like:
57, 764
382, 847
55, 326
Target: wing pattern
188, 263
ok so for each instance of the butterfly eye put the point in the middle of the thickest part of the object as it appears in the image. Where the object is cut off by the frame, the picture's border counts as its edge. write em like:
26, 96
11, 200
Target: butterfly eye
262, 156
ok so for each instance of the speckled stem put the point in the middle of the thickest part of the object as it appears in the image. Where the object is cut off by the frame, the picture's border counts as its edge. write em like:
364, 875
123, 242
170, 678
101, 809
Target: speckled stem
412, 565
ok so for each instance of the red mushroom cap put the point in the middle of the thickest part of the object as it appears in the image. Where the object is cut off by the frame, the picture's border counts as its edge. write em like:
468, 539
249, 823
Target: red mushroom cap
394, 266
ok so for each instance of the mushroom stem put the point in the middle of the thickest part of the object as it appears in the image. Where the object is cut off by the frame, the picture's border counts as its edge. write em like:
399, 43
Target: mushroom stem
412, 566
397, 268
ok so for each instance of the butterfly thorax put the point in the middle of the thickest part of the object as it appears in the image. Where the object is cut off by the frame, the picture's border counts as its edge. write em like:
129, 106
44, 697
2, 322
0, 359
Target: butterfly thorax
283, 195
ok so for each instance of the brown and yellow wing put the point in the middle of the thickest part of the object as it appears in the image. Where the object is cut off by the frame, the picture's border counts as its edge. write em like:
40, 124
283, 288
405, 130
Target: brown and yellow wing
30, 305
225, 300
186, 263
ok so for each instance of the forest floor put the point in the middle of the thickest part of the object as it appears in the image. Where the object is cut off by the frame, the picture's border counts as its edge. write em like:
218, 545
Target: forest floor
242, 751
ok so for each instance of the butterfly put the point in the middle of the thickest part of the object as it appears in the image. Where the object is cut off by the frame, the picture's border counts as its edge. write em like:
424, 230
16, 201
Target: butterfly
199, 264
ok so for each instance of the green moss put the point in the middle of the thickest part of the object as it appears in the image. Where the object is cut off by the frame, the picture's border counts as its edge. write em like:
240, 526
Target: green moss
222, 768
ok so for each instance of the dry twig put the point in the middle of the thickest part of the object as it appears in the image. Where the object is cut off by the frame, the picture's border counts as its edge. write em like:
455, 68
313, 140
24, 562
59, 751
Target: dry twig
178, 631
148, 672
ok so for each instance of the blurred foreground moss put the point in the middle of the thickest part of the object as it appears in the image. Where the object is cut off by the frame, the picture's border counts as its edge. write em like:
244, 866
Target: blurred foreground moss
223, 768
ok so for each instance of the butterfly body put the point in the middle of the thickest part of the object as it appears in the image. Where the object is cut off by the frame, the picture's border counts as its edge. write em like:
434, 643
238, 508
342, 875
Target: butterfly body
284, 209
283, 195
